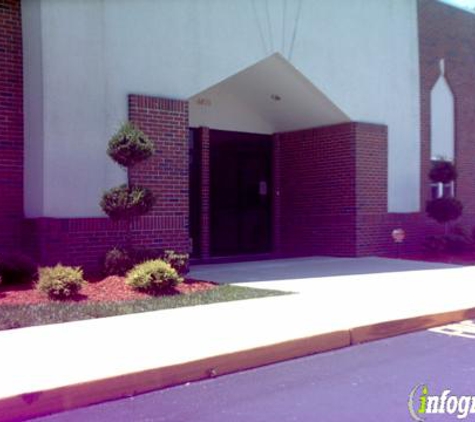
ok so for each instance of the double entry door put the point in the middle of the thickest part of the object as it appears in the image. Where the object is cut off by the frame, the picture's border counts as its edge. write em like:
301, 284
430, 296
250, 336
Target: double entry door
240, 193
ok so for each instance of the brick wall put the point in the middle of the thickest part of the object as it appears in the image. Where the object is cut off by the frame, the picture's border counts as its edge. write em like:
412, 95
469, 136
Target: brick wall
371, 181
445, 32
331, 194
11, 125
84, 241
316, 190
317, 162
167, 172
330, 183
448, 33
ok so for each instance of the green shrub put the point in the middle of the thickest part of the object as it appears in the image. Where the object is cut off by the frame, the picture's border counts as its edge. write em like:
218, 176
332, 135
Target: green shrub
154, 276
125, 202
17, 268
117, 262
120, 260
179, 261
60, 282
444, 210
129, 146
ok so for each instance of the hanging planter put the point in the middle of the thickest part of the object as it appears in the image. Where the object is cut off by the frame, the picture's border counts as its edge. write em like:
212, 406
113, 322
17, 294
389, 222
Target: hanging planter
130, 146
444, 210
125, 202
443, 172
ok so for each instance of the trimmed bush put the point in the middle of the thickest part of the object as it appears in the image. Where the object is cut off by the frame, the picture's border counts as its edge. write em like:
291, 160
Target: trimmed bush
442, 172
120, 260
129, 146
179, 261
117, 262
125, 202
60, 282
444, 210
154, 276
17, 268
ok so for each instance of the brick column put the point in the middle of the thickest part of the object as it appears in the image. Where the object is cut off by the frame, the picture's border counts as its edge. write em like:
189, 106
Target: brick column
205, 196
333, 190
11, 125
165, 121
371, 189
317, 191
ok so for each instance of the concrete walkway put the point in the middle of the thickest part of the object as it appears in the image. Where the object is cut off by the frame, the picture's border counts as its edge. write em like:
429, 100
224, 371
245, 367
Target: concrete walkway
304, 273
51, 368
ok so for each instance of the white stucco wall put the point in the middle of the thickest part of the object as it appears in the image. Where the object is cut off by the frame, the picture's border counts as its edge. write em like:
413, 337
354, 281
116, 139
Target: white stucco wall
362, 54
269, 97
33, 108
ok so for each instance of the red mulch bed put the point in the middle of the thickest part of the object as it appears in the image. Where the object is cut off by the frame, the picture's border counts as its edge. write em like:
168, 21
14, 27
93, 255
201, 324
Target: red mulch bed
111, 289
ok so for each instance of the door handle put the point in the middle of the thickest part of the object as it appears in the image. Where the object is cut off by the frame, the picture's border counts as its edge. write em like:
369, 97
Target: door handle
263, 188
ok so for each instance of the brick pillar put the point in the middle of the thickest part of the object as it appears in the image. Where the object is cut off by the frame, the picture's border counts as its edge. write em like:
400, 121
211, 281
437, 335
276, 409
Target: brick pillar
333, 190
165, 121
11, 125
276, 203
317, 191
205, 196
371, 194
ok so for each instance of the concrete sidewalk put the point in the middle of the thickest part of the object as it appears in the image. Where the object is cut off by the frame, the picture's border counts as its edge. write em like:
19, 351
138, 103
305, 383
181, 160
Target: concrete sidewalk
51, 368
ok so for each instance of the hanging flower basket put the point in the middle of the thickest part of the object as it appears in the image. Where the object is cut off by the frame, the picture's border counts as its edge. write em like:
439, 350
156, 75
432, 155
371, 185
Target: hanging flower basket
130, 146
125, 202
443, 172
444, 210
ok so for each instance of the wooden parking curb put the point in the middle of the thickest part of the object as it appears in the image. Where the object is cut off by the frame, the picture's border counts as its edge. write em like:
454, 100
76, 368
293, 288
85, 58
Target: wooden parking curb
40, 403
403, 326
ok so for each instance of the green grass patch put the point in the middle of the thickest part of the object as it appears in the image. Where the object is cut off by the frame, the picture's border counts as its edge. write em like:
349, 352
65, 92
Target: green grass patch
17, 316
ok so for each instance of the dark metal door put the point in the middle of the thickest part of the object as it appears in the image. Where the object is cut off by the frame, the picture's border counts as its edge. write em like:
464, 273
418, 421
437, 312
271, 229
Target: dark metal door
240, 193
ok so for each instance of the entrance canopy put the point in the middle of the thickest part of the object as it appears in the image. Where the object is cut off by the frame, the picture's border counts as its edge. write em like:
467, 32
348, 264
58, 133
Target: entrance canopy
270, 96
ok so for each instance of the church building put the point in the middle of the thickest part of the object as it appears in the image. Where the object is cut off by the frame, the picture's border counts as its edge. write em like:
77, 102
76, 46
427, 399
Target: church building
282, 128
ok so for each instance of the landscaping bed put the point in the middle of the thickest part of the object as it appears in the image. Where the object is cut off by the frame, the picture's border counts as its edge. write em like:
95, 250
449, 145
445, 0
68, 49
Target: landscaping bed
112, 288
32, 295
24, 307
